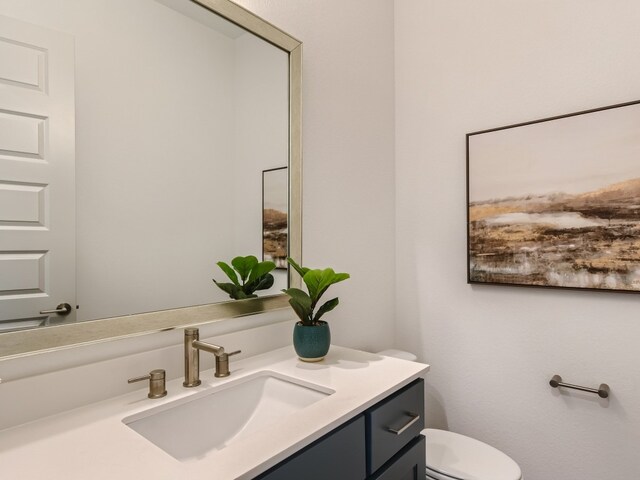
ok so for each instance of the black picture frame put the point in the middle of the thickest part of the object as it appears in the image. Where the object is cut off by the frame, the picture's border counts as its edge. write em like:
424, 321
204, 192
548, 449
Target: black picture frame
555, 202
275, 221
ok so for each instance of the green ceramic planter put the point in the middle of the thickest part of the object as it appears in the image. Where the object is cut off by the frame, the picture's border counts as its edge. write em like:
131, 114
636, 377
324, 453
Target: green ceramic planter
311, 342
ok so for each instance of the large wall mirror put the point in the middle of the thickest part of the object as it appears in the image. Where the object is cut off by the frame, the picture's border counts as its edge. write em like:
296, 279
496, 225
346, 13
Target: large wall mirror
135, 139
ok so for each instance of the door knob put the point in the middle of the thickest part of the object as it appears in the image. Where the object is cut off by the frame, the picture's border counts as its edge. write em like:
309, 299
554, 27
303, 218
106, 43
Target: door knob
62, 309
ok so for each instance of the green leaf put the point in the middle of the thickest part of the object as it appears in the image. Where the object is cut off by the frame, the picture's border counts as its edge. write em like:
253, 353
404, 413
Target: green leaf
301, 303
302, 271
318, 281
266, 282
243, 266
233, 290
312, 280
337, 277
262, 283
229, 271
300, 311
300, 295
261, 269
327, 307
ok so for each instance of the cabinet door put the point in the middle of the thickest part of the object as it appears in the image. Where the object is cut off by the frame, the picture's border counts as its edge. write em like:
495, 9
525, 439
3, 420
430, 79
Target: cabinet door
409, 464
393, 423
339, 455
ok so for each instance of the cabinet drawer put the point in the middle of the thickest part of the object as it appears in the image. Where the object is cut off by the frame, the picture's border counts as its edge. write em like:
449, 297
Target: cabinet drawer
393, 423
409, 464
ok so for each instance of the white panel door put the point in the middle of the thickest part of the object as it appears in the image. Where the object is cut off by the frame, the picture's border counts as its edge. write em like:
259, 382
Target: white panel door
37, 174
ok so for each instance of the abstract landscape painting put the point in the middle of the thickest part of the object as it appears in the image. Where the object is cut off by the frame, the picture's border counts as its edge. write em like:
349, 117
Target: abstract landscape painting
275, 198
556, 202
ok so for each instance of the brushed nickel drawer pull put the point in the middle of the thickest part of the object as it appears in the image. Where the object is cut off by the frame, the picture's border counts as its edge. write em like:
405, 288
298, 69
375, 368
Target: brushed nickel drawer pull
414, 417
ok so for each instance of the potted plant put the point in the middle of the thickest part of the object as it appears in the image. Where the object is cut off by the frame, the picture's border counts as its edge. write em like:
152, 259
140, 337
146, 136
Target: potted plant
247, 276
311, 336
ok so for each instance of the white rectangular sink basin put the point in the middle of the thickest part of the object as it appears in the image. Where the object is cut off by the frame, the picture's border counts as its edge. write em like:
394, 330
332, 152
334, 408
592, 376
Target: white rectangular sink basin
190, 428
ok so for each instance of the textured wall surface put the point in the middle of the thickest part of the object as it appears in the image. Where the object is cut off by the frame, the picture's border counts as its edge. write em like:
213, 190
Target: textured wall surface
464, 66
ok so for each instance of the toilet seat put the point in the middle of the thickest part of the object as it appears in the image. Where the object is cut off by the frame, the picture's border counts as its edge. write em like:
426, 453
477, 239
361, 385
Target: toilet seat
451, 456
392, 352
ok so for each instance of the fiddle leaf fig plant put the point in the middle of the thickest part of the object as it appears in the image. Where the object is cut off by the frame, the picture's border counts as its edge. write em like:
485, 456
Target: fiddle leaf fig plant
317, 281
247, 275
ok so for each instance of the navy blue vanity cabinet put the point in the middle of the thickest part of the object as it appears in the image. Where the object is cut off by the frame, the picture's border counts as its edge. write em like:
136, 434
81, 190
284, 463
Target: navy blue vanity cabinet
338, 455
407, 464
383, 443
393, 423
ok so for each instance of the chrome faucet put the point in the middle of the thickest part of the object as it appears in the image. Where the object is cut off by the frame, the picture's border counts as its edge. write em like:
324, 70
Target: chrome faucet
192, 347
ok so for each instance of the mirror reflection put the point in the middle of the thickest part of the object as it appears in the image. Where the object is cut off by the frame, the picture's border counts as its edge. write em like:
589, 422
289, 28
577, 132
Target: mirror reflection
177, 114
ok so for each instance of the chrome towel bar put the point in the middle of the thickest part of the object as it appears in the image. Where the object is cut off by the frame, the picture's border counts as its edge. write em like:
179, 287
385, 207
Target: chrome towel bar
602, 390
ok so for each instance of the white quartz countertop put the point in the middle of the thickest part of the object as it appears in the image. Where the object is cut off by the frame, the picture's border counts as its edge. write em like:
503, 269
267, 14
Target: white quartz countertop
92, 442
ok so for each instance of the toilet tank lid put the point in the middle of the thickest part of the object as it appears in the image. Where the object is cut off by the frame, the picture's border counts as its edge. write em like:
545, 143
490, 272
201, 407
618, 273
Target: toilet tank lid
465, 458
392, 352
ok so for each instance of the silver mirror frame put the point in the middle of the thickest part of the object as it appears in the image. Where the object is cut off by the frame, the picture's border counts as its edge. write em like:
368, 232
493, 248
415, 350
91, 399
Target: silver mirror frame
28, 342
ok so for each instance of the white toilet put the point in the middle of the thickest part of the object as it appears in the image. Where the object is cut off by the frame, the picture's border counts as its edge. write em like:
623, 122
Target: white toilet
451, 456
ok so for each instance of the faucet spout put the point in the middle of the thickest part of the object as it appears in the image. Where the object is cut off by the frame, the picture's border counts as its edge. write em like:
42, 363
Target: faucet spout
208, 347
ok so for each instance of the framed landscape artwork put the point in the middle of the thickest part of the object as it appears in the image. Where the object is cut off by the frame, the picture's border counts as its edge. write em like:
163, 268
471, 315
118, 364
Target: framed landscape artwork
556, 202
275, 205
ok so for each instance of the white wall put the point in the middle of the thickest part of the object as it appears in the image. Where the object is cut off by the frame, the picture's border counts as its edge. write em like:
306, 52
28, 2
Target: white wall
348, 149
463, 66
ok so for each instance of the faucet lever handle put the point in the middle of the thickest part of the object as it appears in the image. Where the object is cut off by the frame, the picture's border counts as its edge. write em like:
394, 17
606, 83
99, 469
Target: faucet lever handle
157, 383
222, 364
139, 379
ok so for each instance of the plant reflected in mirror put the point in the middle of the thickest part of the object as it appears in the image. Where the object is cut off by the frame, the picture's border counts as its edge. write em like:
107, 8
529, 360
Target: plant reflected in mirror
247, 275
